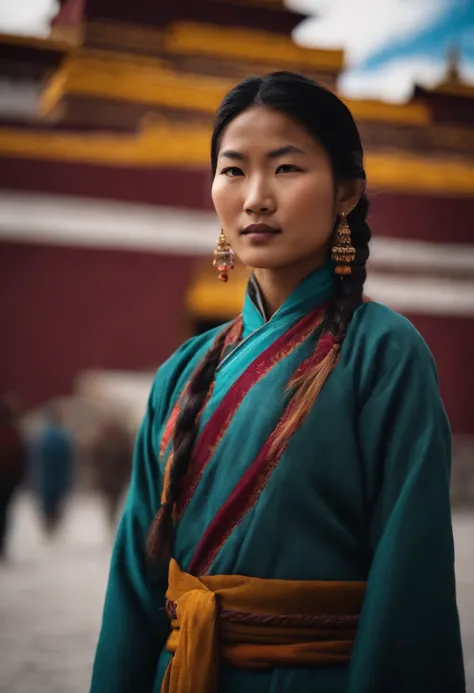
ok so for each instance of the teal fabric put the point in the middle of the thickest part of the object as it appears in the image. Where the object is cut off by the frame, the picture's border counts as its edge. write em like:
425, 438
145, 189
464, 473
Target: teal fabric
361, 493
53, 460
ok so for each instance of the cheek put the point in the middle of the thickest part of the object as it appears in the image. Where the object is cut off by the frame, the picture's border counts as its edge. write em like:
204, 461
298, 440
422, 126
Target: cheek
313, 197
310, 209
224, 198
216, 194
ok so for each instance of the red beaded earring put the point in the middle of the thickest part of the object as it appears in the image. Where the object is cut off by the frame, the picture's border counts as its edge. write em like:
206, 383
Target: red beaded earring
343, 252
223, 258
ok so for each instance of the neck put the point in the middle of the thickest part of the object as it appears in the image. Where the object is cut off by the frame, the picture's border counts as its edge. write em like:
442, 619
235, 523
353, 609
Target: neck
277, 284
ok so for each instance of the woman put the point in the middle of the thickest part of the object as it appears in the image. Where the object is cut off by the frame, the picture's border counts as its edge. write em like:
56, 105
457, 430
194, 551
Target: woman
53, 465
299, 457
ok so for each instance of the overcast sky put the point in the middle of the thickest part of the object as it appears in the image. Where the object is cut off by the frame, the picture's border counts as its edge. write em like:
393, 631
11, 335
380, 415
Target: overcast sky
389, 44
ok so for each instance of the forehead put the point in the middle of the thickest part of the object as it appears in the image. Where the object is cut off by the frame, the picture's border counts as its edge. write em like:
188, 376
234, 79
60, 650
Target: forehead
264, 128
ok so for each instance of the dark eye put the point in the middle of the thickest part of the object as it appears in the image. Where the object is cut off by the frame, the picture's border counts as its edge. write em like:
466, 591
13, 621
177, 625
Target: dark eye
287, 168
232, 172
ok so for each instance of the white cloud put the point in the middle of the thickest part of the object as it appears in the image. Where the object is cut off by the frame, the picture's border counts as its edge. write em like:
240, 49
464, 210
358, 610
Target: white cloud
392, 82
27, 16
364, 26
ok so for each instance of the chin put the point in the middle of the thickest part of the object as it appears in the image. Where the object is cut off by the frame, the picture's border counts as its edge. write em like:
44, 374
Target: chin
264, 260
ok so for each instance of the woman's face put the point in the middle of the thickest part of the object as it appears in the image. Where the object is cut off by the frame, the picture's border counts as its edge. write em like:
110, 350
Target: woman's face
274, 191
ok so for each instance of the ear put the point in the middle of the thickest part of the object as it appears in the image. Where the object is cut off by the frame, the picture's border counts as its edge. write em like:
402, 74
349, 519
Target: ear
348, 195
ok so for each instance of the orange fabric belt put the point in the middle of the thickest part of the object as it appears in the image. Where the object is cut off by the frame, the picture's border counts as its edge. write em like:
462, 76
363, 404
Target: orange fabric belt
254, 623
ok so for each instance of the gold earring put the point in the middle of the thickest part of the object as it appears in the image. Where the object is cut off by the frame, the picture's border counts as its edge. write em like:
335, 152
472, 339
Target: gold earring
343, 252
223, 257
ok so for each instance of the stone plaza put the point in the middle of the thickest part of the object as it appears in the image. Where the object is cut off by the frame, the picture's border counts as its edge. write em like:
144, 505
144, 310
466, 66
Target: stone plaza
51, 596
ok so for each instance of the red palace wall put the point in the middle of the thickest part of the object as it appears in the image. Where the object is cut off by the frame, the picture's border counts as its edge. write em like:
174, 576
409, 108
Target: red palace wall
451, 339
396, 215
66, 309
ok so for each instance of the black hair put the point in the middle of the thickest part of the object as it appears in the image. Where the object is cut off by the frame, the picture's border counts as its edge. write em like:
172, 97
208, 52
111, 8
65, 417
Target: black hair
330, 122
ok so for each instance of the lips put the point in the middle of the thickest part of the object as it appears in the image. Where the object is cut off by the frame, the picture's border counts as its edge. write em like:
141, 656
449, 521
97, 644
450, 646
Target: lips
259, 229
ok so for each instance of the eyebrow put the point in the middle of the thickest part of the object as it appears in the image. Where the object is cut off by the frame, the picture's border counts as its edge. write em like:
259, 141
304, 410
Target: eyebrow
274, 154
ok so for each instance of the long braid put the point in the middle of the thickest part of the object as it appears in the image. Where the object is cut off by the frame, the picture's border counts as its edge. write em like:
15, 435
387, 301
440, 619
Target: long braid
350, 289
348, 298
160, 539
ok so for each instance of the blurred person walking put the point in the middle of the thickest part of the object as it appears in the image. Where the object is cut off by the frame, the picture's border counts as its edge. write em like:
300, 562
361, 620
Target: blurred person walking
53, 461
13, 456
111, 458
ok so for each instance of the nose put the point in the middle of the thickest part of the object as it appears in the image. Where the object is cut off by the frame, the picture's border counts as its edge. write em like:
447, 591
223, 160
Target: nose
259, 199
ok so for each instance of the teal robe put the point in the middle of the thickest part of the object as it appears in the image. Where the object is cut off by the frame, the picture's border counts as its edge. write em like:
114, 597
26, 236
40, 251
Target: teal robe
360, 493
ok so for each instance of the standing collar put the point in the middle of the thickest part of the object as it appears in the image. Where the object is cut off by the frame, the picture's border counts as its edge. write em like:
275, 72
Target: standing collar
315, 289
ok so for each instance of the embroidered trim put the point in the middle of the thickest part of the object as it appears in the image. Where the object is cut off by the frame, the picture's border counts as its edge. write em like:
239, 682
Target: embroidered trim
283, 620
220, 421
245, 495
233, 334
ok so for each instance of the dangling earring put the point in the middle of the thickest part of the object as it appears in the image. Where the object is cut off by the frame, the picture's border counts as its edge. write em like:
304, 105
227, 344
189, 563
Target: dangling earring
223, 257
343, 252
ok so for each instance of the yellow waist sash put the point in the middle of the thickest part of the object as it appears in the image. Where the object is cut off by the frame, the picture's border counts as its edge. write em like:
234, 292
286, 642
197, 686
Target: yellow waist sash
254, 623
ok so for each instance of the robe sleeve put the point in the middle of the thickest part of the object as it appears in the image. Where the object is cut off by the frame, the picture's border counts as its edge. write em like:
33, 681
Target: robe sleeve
134, 627
408, 639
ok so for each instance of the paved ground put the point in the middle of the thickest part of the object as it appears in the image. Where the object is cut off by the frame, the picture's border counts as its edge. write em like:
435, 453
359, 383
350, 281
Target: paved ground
50, 602
51, 599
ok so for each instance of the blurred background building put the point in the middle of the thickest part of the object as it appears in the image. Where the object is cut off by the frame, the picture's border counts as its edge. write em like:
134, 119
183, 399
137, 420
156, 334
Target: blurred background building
106, 228
107, 232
